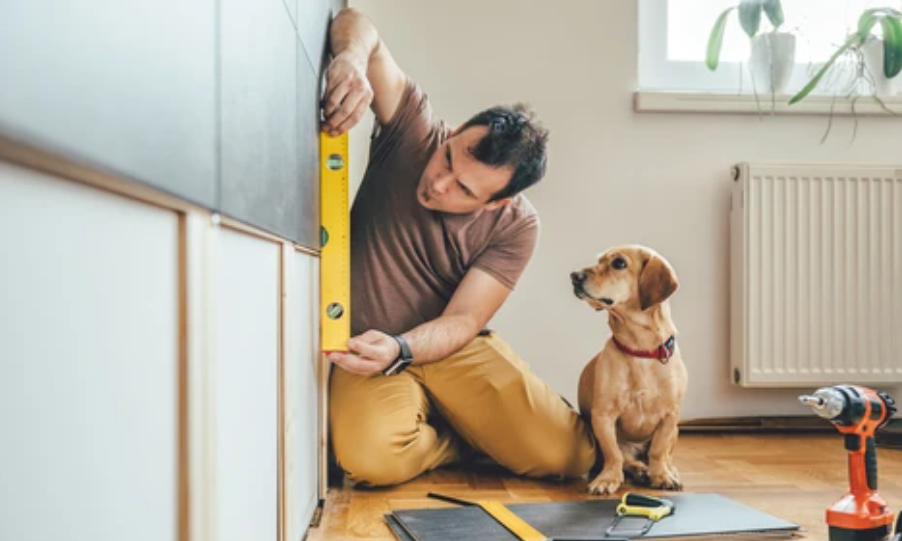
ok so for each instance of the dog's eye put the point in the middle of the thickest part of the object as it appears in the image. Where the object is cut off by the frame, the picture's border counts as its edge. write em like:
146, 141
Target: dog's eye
619, 263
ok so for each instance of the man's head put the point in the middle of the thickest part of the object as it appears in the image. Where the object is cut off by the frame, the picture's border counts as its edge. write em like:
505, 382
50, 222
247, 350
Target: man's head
490, 158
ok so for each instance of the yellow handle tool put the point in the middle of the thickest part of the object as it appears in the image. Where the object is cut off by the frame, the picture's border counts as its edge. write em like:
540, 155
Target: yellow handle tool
654, 514
640, 505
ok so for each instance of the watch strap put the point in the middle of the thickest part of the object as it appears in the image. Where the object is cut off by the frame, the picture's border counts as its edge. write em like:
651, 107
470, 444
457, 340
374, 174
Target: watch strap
405, 357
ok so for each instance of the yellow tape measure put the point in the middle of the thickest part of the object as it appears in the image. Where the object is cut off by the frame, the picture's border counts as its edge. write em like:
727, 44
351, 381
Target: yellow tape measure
335, 241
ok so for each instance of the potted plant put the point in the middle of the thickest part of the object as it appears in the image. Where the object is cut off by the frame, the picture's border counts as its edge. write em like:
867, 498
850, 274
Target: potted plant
773, 53
877, 60
873, 55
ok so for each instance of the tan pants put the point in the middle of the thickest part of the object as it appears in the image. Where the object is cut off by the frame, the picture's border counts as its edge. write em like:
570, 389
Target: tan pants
385, 429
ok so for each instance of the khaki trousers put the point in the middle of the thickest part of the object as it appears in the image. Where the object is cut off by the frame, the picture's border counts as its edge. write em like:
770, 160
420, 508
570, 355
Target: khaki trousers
388, 429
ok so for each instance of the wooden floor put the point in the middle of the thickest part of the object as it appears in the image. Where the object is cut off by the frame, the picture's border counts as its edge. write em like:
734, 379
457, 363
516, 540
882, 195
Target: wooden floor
794, 477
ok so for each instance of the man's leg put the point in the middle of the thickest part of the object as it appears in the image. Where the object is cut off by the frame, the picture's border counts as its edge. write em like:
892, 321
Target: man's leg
492, 399
379, 429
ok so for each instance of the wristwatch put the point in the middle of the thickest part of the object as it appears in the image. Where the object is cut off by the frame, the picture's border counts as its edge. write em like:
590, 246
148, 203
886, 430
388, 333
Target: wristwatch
405, 358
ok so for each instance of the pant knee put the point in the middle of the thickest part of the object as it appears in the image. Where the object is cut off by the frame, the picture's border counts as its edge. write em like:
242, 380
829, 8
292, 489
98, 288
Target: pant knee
565, 460
377, 458
377, 469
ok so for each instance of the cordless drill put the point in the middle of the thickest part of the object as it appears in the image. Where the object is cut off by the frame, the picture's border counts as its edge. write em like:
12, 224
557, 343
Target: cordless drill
862, 514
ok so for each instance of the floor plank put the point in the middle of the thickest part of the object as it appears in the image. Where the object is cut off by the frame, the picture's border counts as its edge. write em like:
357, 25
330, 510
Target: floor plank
794, 477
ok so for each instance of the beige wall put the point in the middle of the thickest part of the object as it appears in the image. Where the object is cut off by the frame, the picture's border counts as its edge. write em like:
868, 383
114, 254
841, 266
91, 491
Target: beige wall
614, 176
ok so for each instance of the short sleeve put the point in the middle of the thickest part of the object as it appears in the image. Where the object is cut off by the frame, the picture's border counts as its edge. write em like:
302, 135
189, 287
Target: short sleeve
409, 128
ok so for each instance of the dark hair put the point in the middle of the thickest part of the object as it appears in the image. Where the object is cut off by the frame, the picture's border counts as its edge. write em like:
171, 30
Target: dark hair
515, 139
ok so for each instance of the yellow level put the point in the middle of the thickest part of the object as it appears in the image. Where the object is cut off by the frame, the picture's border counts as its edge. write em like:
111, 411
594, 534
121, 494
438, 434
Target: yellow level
335, 240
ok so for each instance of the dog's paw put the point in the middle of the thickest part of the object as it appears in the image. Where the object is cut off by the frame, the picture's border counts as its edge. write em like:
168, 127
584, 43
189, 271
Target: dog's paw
665, 479
638, 474
674, 472
608, 482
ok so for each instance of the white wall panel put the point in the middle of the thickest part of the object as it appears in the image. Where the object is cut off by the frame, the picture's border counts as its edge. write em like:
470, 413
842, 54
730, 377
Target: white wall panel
247, 388
88, 363
306, 401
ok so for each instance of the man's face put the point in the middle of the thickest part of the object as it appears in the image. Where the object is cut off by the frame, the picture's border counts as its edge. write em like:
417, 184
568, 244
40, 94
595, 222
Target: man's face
457, 183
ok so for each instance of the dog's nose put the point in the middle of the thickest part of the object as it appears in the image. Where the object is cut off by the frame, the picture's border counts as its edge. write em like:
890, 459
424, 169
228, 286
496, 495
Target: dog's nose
577, 277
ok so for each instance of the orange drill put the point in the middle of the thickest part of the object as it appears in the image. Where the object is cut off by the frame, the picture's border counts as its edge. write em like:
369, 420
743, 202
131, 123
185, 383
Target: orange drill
862, 514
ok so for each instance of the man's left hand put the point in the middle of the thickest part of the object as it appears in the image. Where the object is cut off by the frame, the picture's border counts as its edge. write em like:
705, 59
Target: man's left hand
370, 353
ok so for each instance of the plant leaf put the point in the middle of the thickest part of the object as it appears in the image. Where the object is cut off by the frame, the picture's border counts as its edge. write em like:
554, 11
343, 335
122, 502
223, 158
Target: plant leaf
892, 46
715, 40
774, 11
867, 21
750, 16
853, 40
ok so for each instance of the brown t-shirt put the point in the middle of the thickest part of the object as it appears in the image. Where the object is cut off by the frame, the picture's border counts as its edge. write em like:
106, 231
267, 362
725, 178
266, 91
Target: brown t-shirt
407, 260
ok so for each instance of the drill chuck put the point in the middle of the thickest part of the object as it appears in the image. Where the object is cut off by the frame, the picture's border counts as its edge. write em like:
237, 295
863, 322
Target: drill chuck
828, 402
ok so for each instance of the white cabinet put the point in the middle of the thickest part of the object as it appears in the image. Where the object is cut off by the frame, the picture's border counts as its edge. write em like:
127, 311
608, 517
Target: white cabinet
89, 352
247, 388
158, 371
306, 402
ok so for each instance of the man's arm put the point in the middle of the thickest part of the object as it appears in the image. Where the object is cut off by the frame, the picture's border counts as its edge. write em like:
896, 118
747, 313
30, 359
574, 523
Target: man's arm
474, 303
362, 73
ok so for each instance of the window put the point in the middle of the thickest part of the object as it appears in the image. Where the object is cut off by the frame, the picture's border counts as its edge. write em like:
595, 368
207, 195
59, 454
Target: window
673, 37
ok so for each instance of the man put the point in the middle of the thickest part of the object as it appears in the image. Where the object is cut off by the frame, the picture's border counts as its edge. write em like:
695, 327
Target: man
439, 236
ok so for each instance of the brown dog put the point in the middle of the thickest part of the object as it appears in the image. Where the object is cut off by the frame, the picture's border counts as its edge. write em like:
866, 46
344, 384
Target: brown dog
633, 389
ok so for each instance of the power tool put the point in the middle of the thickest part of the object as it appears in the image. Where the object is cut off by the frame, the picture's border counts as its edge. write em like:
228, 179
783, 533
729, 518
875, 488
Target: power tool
857, 412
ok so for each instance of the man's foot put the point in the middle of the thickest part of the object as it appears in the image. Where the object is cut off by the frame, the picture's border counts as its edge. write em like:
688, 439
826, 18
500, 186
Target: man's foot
335, 476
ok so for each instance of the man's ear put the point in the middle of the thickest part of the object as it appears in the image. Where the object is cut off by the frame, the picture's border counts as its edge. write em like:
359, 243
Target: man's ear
657, 282
497, 204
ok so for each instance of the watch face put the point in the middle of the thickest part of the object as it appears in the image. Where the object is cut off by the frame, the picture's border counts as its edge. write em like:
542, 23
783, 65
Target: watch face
397, 367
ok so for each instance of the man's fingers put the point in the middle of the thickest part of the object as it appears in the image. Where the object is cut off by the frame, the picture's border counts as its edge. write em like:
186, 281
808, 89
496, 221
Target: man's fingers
365, 349
333, 98
353, 363
372, 336
345, 112
353, 119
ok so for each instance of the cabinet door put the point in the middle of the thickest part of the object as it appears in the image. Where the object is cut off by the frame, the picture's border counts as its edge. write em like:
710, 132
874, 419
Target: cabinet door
247, 389
305, 411
89, 328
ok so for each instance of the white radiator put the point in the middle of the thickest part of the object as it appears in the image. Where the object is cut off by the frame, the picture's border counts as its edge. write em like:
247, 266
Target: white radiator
816, 275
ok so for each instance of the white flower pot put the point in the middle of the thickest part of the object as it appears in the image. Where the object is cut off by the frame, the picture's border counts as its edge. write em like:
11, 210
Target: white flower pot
872, 51
772, 61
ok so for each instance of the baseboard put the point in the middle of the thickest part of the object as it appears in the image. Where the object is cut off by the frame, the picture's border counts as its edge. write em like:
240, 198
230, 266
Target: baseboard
801, 423
890, 436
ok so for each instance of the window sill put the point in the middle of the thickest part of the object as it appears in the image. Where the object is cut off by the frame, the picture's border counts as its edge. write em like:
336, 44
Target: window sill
700, 102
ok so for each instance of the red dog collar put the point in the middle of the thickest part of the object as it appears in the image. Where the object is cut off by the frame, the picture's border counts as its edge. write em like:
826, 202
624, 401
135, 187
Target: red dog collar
663, 353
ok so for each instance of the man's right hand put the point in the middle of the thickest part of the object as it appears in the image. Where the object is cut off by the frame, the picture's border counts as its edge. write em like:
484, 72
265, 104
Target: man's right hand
348, 94
370, 353
362, 72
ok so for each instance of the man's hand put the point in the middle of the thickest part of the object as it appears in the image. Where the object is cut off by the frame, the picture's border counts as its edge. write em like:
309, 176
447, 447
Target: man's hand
348, 94
371, 353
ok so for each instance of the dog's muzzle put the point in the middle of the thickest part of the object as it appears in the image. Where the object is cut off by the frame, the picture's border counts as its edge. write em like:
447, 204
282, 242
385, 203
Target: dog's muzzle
578, 279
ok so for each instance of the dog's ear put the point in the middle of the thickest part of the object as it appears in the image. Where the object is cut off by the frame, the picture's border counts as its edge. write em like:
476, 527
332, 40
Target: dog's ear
657, 282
